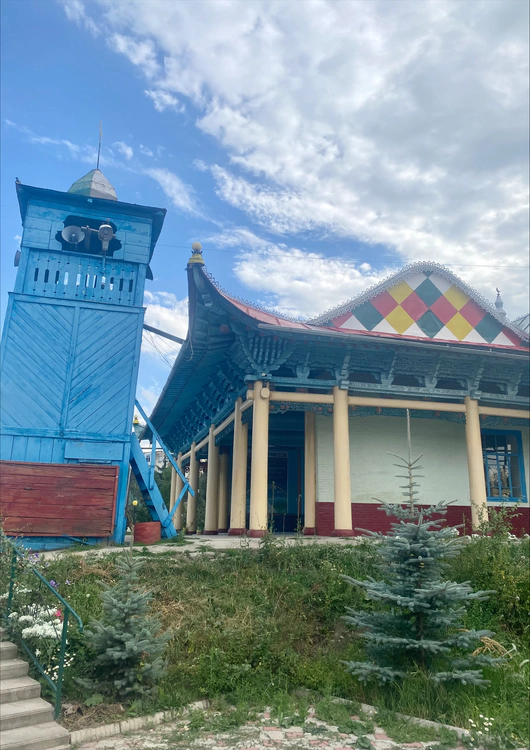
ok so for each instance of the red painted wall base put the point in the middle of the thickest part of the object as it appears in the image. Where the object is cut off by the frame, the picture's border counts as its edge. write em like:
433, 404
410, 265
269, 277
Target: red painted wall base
369, 517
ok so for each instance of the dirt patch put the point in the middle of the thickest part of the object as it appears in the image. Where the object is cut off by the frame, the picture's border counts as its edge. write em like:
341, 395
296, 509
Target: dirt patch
76, 716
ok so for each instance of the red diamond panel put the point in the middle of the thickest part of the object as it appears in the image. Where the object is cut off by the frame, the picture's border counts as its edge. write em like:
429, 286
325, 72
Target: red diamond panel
443, 309
516, 341
384, 303
414, 306
472, 313
340, 319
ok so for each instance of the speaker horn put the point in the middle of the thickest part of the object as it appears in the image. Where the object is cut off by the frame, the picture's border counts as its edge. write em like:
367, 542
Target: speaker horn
105, 234
73, 235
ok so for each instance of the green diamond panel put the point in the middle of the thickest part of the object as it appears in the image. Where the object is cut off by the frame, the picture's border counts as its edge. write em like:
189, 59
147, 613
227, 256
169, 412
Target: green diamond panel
428, 292
367, 315
489, 328
429, 323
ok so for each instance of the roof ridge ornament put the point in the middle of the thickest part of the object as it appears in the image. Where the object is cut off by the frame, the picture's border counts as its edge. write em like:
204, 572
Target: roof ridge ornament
196, 257
499, 304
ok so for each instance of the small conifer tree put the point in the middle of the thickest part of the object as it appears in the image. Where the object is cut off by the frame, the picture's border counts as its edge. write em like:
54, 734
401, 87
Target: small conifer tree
127, 643
417, 622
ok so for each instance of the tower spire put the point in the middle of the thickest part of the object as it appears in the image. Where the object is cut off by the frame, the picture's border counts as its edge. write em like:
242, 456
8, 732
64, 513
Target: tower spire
99, 144
499, 304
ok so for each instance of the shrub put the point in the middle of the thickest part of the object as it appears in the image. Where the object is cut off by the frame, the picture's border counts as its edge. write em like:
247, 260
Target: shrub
418, 623
126, 642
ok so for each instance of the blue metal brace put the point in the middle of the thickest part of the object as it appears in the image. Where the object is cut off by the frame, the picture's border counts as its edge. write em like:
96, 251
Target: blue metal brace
157, 439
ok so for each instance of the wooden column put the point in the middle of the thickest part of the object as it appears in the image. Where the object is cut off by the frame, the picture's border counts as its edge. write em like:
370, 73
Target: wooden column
310, 474
191, 515
259, 464
238, 499
212, 485
176, 488
475, 464
222, 496
341, 464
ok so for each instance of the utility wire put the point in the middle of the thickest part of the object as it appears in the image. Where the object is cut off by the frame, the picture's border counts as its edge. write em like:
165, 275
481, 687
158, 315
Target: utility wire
337, 257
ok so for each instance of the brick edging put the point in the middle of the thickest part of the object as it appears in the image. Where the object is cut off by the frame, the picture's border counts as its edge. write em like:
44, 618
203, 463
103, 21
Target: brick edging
129, 725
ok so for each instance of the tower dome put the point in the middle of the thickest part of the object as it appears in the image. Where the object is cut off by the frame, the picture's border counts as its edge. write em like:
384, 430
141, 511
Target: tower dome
95, 185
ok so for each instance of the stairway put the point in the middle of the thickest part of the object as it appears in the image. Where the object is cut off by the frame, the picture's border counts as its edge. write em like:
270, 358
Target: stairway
26, 721
149, 489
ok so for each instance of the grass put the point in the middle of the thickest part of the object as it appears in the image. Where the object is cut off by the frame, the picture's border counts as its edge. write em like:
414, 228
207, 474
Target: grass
255, 628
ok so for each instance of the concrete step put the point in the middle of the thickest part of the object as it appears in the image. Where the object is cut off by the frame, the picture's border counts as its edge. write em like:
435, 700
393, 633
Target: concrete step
18, 689
35, 737
24, 713
8, 650
13, 668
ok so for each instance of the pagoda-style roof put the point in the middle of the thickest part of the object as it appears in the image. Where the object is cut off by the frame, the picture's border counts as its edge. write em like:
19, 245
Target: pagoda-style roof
231, 343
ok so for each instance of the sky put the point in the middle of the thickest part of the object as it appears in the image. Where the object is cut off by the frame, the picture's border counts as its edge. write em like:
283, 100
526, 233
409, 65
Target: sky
314, 147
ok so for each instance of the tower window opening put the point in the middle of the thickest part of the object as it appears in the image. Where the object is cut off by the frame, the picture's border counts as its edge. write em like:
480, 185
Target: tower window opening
46, 275
91, 244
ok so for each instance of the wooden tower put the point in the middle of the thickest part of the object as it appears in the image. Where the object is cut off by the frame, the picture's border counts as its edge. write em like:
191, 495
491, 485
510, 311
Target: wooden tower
70, 352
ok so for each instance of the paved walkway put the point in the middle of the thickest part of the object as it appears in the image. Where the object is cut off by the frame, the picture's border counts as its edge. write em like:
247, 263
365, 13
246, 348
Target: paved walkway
202, 544
263, 734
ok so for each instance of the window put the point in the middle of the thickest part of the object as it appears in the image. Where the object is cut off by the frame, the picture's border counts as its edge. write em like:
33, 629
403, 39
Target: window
503, 465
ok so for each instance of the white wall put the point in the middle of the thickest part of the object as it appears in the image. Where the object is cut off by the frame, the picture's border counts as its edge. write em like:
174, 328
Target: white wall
371, 468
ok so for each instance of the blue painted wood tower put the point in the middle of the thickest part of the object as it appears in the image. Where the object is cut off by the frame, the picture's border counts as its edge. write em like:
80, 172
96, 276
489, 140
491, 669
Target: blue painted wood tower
70, 352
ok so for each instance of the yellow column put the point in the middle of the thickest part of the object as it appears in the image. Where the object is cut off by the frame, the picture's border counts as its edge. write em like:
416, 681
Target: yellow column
341, 464
238, 499
176, 488
212, 484
259, 463
475, 464
310, 475
222, 497
191, 515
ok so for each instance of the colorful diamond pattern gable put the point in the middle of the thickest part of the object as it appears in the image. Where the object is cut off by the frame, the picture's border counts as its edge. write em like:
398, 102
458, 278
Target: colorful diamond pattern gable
427, 305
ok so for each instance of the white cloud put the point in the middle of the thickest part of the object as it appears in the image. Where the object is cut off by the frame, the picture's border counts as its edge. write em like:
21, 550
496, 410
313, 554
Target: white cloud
162, 100
141, 53
166, 312
180, 194
124, 149
147, 398
295, 282
145, 150
362, 119
75, 11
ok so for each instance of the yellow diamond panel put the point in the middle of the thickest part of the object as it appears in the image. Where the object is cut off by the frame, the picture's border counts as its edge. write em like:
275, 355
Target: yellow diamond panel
459, 326
399, 319
400, 292
456, 297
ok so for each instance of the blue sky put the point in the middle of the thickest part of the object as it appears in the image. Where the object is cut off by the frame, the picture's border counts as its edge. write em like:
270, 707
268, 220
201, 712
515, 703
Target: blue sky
312, 147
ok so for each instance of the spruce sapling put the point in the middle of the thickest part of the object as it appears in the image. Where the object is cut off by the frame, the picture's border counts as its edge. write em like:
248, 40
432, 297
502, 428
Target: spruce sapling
127, 643
417, 621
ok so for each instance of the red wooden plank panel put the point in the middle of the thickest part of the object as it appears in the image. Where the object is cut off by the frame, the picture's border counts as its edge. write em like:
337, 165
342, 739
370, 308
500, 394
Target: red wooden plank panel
58, 499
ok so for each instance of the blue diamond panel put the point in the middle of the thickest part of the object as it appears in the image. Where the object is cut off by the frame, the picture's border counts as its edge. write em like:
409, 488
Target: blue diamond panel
428, 292
368, 315
429, 323
489, 328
